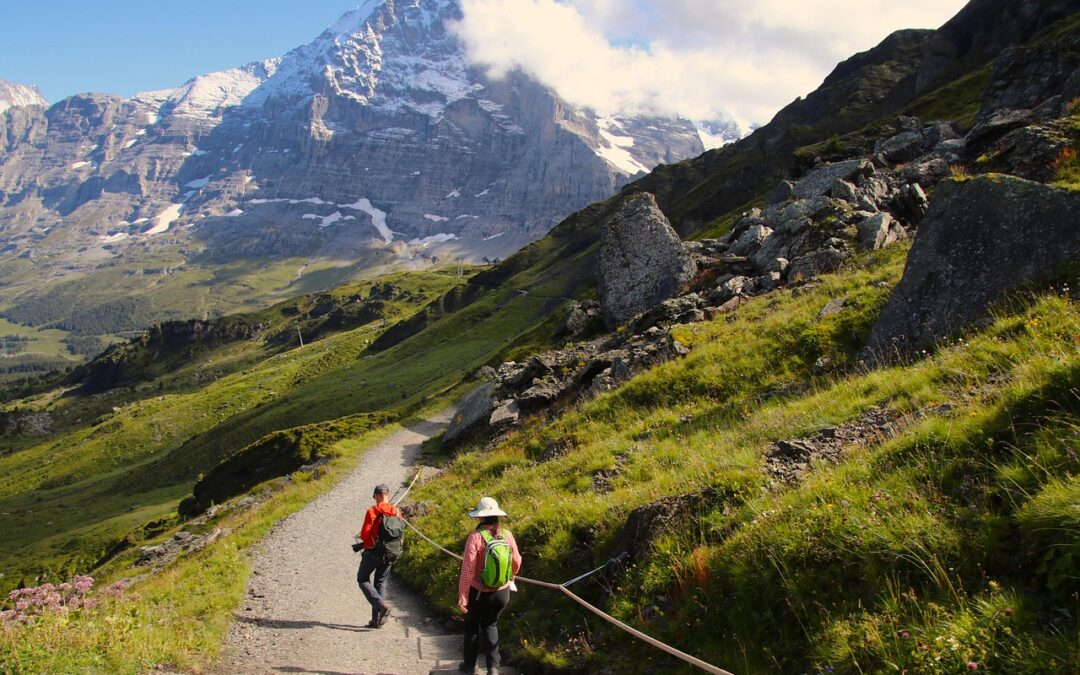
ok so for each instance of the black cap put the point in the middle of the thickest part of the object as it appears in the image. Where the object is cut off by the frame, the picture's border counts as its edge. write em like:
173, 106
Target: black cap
381, 489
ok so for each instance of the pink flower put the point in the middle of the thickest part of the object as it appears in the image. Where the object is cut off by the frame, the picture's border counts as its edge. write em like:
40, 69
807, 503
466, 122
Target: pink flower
904, 634
13, 595
22, 605
8, 615
1007, 611
971, 665
66, 587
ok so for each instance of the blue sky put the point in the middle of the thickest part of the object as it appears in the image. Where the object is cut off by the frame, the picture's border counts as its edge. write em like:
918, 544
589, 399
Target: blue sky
125, 46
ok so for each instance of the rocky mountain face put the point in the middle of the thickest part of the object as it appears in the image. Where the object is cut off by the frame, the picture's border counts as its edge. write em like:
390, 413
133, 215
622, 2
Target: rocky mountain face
20, 95
376, 139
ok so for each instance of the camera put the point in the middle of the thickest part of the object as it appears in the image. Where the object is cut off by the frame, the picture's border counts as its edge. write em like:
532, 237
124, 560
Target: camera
357, 547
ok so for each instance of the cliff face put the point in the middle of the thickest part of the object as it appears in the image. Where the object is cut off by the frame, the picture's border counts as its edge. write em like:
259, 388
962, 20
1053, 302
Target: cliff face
376, 142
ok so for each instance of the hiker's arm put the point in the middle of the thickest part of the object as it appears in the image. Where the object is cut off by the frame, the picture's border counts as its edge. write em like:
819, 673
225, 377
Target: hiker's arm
366, 533
514, 553
473, 548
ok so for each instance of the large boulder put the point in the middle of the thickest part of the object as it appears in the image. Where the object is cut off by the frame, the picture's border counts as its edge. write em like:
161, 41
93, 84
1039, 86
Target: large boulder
642, 260
472, 410
981, 238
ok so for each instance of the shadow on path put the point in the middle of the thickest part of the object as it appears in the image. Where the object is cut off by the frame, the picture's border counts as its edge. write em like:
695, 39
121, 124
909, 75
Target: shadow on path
285, 623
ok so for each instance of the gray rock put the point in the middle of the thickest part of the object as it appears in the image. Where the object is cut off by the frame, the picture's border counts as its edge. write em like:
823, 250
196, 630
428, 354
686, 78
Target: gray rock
832, 308
903, 147
818, 182
878, 231
844, 190
750, 240
770, 281
806, 208
982, 237
642, 260
473, 409
729, 288
508, 413
936, 133
911, 203
781, 193
813, 264
953, 146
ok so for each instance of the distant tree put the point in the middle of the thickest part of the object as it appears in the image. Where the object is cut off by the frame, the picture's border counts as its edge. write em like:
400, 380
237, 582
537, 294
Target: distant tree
486, 260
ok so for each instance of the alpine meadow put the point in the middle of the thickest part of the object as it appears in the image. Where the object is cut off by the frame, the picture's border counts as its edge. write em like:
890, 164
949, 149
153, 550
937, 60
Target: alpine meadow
804, 402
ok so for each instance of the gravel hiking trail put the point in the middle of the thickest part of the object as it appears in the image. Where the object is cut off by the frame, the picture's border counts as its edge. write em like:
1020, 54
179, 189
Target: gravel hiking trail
303, 611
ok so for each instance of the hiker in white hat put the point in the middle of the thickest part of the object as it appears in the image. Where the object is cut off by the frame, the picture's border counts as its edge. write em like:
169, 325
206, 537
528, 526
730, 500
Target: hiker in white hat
490, 562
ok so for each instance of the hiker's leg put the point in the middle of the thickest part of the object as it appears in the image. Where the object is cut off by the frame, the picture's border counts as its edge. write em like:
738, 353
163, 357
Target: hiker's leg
368, 565
472, 629
382, 573
494, 605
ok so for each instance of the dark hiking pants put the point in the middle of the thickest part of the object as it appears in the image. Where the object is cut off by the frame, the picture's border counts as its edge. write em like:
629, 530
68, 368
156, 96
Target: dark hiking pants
374, 589
481, 625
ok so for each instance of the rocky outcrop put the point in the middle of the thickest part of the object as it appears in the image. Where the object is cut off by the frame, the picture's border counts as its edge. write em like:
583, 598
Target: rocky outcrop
642, 260
981, 238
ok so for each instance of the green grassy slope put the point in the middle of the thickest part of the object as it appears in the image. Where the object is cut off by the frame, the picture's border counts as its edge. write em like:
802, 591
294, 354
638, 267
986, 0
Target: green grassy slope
113, 461
907, 554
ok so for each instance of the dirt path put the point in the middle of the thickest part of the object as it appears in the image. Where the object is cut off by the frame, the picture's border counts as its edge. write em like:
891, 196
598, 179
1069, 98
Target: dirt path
303, 612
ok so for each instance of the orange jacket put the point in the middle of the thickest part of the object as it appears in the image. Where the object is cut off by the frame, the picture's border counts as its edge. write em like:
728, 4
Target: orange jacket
369, 533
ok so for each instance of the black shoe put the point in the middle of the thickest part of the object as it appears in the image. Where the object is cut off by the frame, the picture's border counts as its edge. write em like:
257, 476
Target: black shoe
372, 624
384, 611
462, 668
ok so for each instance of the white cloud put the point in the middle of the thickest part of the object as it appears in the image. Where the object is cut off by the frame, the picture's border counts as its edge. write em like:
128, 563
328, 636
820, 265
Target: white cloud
695, 58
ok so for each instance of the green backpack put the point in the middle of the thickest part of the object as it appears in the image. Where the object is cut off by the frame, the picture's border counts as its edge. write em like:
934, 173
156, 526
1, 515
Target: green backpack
497, 563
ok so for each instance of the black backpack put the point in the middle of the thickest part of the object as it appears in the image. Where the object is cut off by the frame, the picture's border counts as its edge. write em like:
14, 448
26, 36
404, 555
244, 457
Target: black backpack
389, 544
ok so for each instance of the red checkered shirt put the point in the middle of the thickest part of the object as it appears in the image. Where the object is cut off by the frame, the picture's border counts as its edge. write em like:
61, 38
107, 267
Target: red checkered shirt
472, 567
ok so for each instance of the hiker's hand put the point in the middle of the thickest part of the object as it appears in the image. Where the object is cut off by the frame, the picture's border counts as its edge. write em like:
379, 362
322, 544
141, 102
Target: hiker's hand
463, 608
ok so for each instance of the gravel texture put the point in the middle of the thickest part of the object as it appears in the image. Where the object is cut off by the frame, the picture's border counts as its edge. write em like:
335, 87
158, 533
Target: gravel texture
303, 611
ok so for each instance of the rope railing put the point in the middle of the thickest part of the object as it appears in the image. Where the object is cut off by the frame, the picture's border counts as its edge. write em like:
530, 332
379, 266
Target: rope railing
562, 588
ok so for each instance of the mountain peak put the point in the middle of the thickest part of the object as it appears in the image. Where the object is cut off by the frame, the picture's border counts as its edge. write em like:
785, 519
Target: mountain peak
17, 95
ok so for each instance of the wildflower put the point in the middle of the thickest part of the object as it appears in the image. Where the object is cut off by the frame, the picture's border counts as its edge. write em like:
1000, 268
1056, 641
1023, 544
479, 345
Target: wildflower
22, 605
1007, 611
8, 615
904, 634
971, 665
65, 587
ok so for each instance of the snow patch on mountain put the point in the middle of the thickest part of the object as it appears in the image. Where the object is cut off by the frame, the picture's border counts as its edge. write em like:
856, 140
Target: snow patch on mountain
440, 238
164, 220
613, 148
378, 217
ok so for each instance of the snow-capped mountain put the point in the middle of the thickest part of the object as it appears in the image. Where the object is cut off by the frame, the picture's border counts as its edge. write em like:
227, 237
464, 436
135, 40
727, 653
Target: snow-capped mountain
375, 140
12, 95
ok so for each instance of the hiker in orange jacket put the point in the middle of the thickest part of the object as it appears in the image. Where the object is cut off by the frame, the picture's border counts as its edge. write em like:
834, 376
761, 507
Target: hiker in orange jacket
379, 555
483, 605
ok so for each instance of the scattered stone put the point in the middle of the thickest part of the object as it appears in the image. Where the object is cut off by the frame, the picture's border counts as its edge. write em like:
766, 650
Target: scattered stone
844, 190
788, 461
903, 147
832, 308
508, 413
750, 240
878, 231
781, 193
818, 182
813, 264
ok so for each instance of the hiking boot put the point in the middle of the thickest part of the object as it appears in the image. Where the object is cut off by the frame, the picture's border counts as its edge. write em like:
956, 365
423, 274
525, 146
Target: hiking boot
462, 668
384, 611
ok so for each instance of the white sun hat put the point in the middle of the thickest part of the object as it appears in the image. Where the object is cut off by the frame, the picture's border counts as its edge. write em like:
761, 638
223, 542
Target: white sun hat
487, 507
